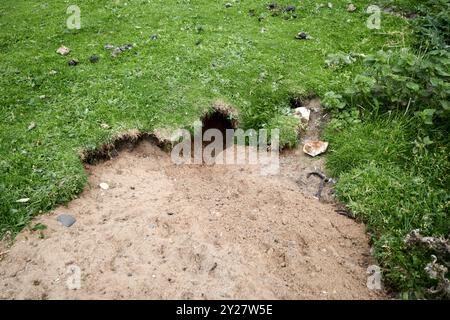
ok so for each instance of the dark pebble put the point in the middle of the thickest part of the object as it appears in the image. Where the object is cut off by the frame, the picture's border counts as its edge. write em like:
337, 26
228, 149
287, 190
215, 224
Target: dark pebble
66, 220
72, 62
93, 59
289, 9
302, 36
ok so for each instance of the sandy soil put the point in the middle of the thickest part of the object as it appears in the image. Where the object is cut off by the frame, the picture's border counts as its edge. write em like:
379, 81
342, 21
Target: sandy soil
163, 231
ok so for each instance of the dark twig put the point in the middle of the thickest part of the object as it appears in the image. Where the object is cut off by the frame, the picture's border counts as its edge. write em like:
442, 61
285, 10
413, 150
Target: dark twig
345, 213
323, 179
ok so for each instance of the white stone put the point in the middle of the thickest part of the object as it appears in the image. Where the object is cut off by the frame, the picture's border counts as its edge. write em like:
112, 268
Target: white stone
314, 148
302, 113
63, 50
104, 186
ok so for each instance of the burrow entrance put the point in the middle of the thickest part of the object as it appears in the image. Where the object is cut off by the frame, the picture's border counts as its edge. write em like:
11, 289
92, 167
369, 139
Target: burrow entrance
220, 121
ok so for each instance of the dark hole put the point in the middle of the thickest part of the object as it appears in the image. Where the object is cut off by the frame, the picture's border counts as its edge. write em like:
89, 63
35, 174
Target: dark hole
220, 122
296, 102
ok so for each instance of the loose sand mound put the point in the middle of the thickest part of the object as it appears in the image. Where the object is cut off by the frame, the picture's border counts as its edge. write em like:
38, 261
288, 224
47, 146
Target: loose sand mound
192, 232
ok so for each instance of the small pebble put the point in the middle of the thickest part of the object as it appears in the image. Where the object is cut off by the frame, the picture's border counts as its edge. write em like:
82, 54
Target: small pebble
72, 62
351, 7
302, 36
63, 50
93, 59
116, 52
127, 47
32, 126
66, 220
104, 186
289, 9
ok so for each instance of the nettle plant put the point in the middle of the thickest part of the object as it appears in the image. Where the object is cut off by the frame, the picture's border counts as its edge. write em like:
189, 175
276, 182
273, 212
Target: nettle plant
433, 24
398, 81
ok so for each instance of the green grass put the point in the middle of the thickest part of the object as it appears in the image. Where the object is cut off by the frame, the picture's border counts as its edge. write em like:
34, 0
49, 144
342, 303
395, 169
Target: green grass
168, 82
381, 141
390, 148
394, 186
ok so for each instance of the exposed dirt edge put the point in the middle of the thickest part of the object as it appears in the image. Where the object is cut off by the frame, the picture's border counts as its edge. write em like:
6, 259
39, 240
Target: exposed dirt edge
125, 140
161, 137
